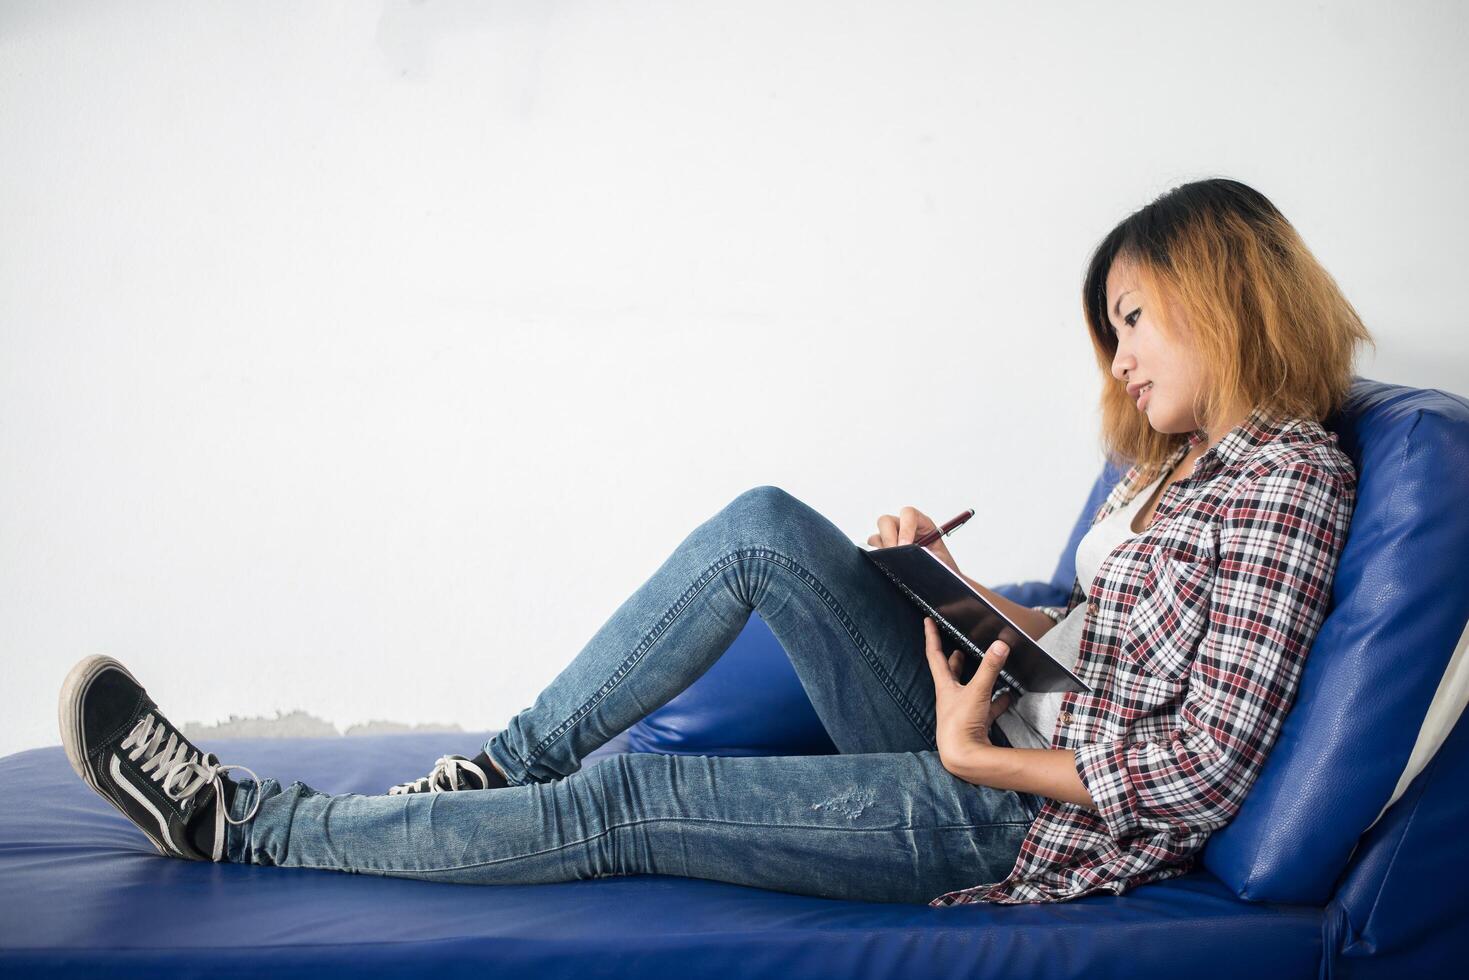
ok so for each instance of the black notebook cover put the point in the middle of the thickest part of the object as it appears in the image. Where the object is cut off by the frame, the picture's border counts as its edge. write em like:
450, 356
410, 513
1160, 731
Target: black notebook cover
966, 616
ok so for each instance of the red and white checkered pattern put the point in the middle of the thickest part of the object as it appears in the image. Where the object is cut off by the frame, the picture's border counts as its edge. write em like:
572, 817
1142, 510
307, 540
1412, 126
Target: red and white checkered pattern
1195, 637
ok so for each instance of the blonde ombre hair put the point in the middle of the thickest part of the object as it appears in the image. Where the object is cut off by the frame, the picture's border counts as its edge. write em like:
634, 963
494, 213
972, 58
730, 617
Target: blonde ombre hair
1270, 324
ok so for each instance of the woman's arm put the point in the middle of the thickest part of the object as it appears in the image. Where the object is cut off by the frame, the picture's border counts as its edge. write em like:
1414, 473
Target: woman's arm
1045, 772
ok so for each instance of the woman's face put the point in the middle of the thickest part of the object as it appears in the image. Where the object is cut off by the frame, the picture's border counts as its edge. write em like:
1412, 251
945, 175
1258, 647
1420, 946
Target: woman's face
1151, 349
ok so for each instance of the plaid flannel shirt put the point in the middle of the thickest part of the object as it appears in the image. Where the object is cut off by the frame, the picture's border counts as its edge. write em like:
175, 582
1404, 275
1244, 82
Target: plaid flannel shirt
1193, 645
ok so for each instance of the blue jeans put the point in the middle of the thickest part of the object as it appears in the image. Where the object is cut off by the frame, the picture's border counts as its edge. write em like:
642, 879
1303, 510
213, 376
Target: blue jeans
883, 821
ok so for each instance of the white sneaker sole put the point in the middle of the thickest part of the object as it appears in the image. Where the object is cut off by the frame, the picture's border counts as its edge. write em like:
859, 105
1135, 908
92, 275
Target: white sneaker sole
69, 720
69, 710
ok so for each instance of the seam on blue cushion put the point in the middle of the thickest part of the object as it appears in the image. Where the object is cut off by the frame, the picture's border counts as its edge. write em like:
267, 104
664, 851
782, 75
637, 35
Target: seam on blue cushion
1402, 839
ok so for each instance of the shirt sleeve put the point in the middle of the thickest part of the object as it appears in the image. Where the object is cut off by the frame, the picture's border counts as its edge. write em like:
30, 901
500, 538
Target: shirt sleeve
1279, 542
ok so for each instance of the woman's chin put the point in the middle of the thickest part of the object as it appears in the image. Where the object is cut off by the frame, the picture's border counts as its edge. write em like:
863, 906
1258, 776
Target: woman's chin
1165, 424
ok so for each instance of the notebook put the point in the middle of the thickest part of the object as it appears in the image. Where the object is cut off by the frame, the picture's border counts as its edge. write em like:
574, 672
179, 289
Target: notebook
967, 617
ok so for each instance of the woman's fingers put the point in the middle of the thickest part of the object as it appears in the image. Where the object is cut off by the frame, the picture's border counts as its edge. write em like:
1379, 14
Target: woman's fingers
938, 664
978, 695
982, 684
953, 663
887, 529
903, 529
908, 525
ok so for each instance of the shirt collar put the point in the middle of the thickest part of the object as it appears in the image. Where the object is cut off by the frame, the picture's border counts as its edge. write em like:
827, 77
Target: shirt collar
1258, 428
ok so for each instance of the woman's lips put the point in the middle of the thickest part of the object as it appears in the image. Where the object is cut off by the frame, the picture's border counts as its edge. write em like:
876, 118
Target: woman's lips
1142, 399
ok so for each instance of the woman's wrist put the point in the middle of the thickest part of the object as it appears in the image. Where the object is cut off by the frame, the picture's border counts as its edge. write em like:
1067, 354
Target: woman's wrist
1045, 772
977, 763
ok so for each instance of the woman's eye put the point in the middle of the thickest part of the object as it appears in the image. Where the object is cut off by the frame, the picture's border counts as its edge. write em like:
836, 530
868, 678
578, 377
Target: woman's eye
1131, 318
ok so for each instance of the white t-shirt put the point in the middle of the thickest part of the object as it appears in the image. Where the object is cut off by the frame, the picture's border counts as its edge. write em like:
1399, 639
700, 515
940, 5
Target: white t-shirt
1030, 721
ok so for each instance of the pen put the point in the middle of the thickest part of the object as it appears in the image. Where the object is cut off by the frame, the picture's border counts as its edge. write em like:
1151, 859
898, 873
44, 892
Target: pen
939, 532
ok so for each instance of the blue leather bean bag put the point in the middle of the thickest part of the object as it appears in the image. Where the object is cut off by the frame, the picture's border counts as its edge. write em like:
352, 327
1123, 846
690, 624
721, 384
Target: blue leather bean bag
1348, 858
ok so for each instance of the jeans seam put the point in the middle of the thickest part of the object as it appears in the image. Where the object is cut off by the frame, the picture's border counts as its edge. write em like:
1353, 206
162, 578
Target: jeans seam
695, 820
868, 654
692, 592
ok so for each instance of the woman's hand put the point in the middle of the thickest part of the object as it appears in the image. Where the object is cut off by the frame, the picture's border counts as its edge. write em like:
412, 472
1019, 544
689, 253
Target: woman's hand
908, 526
963, 711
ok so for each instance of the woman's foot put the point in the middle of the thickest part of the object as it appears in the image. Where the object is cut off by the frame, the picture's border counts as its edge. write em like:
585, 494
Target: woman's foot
121, 745
453, 773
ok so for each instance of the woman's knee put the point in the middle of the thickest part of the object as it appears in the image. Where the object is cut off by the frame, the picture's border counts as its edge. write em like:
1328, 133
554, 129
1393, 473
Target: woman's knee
768, 506
770, 518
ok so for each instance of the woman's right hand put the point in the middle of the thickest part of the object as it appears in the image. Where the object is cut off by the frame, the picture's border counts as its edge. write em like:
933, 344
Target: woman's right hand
910, 524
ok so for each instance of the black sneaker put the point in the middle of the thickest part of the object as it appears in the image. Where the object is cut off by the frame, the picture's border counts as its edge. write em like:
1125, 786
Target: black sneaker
450, 774
121, 745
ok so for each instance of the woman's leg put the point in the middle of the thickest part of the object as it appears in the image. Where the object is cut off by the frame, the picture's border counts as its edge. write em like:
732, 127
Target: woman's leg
884, 821
855, 641
886, 827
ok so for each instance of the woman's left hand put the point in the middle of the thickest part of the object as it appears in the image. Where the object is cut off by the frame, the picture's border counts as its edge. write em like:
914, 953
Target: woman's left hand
963, 711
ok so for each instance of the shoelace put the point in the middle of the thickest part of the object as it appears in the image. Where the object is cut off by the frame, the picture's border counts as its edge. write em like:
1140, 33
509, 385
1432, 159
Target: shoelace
173, 764
445, 777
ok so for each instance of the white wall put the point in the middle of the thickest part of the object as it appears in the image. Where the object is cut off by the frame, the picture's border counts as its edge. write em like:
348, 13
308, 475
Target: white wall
361, 358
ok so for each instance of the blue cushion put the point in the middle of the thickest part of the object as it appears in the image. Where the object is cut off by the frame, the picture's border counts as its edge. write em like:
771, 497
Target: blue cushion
1401, 908
1400, 600
82, 893
749, 703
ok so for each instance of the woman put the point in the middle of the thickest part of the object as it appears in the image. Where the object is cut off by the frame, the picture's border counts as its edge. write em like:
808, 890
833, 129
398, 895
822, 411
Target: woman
1200, 587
